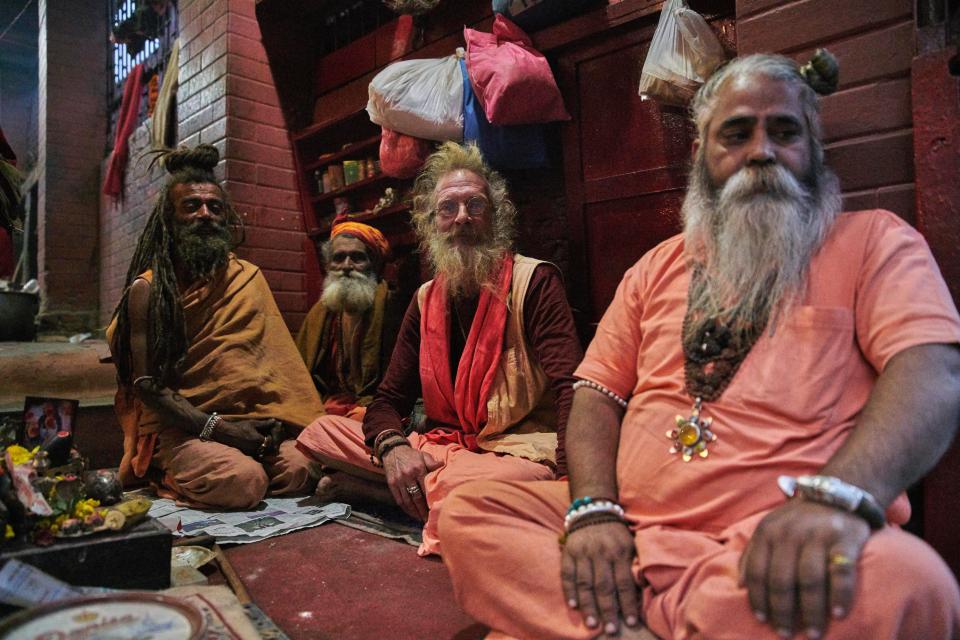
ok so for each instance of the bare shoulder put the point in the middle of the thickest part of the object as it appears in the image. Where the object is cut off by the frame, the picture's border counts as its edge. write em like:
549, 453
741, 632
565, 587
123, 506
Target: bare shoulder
138, 301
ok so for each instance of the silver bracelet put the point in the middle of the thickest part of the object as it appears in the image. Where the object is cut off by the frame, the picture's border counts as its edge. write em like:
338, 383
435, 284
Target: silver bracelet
602, 389
836, 493
597, 506
207, 432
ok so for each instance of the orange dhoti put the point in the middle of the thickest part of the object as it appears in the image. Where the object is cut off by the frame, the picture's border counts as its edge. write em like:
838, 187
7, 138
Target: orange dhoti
500, 542
337, 442
213, 475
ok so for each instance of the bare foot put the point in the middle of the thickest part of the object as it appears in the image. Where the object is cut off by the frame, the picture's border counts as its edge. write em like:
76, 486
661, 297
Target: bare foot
338, 486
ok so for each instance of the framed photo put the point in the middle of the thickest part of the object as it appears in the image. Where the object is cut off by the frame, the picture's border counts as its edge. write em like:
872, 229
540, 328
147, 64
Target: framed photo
45, 417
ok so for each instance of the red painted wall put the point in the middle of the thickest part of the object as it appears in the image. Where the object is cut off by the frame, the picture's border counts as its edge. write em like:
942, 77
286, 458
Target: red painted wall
868, 123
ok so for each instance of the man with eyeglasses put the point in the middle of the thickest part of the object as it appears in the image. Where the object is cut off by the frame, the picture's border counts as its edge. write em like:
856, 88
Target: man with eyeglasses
489, 344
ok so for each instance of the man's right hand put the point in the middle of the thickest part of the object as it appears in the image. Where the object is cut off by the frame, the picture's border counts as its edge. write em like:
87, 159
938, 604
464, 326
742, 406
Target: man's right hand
405, 468
597, 577
247, 435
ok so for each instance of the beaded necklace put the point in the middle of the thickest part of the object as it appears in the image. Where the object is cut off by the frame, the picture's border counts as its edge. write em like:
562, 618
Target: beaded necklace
712, 354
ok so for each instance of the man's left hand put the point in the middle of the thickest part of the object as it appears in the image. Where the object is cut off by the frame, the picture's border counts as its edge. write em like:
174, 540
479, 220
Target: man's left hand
800, 566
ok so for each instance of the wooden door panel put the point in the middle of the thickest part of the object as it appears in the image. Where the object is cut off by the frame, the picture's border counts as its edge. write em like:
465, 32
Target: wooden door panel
626, 162
620, 133
620, 231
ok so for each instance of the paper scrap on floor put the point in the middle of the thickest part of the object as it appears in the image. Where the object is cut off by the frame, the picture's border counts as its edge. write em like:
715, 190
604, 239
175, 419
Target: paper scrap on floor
273, 517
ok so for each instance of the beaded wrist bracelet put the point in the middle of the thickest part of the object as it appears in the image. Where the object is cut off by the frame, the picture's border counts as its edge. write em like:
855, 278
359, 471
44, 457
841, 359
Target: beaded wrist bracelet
389, 446
597, 506
582, 523
579, 502
375, 453
602, 389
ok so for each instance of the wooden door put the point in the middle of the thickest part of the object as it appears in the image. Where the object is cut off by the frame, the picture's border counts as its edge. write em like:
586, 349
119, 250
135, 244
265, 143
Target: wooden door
625, 166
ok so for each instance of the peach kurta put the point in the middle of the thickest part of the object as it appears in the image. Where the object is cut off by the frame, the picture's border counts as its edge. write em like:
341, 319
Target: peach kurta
873, 291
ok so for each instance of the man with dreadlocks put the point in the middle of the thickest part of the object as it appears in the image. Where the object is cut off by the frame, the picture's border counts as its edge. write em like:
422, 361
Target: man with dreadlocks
490, 345
211, 384
775, 347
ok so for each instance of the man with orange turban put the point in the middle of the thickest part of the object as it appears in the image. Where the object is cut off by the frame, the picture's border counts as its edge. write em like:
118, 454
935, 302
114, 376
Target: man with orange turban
343, 340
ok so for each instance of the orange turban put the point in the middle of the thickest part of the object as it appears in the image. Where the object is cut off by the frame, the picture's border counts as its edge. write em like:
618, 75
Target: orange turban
368, 235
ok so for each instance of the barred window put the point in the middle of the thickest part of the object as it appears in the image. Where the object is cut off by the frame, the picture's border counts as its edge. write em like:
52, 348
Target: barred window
142, 32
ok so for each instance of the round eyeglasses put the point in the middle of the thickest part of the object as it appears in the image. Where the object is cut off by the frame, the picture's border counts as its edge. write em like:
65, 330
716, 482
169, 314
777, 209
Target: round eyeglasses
476, 207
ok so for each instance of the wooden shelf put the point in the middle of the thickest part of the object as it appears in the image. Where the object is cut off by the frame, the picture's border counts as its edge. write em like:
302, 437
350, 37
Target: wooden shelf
345, 152
366, 218
356, 186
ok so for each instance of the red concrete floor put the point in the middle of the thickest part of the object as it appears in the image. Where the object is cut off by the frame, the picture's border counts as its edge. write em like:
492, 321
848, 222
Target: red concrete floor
334, 582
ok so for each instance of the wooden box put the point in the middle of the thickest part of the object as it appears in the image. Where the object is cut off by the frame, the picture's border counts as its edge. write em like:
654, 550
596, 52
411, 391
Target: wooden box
135, 559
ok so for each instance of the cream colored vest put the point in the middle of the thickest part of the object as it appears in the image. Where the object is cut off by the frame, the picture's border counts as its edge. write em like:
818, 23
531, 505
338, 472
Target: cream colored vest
521, 409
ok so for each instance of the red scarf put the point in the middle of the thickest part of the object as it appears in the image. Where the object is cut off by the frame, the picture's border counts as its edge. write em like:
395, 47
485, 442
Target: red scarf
463, 402
126, 122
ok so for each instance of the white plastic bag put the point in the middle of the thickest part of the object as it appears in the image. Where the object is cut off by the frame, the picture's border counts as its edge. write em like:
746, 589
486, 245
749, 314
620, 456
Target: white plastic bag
683, 53
421, 98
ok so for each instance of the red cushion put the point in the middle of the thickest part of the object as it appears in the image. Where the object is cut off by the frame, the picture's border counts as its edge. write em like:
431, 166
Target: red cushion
511, 79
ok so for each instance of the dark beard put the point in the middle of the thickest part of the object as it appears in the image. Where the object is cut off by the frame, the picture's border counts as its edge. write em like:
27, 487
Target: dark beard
201, 248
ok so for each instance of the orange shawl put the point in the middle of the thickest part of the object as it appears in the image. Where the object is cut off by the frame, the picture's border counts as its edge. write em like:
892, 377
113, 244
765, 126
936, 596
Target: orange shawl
241, 362
464, 402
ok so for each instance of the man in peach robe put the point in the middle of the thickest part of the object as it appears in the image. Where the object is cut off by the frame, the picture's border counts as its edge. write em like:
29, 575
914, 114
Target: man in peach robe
854, 382
211, 386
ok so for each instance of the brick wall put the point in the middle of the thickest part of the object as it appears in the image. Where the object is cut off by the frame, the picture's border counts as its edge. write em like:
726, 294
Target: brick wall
868, 123
121, 222
72, 104
226, 98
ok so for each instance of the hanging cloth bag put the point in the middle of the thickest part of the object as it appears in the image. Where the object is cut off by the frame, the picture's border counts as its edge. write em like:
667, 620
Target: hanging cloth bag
511, 79
521, 146
402, 156
683, 53
421, 98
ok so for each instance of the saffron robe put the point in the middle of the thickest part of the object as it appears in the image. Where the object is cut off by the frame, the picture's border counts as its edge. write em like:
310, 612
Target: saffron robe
241, 362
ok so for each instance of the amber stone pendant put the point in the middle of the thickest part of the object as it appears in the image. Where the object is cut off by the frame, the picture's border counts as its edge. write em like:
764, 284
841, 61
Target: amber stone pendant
691, 435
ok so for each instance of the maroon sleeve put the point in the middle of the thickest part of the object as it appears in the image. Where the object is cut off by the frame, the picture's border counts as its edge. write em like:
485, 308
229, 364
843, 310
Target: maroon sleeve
553, 336
400, 387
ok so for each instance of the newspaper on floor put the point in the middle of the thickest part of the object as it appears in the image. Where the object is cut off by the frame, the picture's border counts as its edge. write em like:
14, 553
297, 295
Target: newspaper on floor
272, 517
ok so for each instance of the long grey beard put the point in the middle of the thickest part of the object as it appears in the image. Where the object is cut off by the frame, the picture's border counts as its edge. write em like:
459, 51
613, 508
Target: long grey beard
752, 240
466, 270
353, 292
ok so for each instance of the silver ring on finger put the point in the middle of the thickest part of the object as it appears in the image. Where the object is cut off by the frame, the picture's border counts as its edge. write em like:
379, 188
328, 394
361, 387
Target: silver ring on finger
413, 489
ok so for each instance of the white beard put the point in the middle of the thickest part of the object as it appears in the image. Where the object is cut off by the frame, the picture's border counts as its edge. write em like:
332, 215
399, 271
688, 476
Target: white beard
753, 240
352, 292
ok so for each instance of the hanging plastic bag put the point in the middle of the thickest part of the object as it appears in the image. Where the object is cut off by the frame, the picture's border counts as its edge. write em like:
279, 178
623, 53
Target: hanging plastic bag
683, 53
521, 146
511, 79
401, 156
421, 98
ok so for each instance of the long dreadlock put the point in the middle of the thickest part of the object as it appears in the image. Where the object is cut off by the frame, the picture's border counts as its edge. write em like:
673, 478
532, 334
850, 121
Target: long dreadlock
166, 332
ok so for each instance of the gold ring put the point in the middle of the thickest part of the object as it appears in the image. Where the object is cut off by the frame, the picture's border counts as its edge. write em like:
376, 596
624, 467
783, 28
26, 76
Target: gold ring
840, 560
